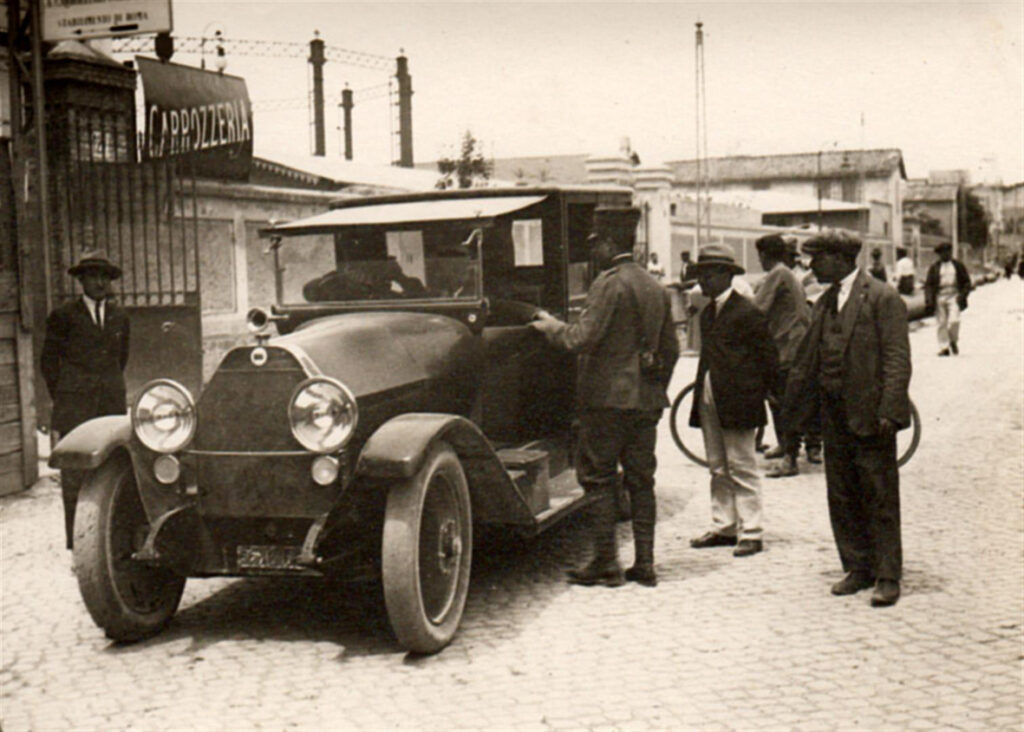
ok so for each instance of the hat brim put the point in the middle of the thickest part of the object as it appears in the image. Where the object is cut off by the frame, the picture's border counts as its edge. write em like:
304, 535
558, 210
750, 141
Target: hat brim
111, 269
731, 266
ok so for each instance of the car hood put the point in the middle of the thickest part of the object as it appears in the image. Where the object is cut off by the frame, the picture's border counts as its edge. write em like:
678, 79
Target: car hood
376, 352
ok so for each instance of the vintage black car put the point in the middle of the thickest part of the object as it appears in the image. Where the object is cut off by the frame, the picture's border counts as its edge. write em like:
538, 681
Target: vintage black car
403, 400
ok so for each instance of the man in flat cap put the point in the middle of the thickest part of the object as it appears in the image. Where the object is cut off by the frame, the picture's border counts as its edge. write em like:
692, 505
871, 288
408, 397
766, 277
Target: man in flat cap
83, 359
736, 371
854, 365
781, 298
627, 349
946, 287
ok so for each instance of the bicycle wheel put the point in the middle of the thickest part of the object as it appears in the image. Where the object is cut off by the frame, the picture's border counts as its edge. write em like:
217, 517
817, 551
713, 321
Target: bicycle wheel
688, 439
908, 440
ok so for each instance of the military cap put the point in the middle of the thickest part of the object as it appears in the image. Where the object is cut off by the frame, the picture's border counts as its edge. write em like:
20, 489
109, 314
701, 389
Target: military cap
771, 244
943, 247
838, 242
717, 255
94, 259
615, 223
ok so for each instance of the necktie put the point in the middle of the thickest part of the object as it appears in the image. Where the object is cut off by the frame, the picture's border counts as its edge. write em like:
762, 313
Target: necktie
99, 315
832, 298
712, 311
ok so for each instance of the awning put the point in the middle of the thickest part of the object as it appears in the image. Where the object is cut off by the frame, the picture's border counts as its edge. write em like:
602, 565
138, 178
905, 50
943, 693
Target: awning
452, 209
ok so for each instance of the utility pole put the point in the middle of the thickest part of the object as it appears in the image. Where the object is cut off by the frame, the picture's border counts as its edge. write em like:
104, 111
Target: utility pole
701, 115
317, 59
404, 112
346, 105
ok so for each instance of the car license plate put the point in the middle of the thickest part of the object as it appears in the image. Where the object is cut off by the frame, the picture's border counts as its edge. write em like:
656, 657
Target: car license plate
267, 556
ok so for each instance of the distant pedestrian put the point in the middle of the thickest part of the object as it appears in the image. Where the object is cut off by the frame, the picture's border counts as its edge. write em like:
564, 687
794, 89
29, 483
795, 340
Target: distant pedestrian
627, 345
654, 268
946, 287
877, 268
854, 365
906, 274
736, 371
84, 355
780, 296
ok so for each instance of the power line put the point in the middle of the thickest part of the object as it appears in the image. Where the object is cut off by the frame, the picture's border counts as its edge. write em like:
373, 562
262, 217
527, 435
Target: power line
198, 46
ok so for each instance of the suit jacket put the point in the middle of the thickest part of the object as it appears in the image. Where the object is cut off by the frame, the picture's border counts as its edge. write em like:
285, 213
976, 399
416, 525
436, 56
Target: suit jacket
931, 284
82, 365
738, 351
626, 312
780, 296
876, 361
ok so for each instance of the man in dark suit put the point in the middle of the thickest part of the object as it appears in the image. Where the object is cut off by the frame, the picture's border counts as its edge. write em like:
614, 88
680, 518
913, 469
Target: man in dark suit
946, 287
627, 346
737, 368
854, 365
83, 359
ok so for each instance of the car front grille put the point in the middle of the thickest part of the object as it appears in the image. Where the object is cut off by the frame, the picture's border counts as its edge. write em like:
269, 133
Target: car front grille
244, 408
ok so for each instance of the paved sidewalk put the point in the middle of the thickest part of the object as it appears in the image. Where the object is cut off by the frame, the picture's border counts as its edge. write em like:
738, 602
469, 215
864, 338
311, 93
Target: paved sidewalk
722, 643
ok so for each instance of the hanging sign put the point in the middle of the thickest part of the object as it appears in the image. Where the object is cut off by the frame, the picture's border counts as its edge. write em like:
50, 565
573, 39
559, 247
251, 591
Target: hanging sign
201, 114
71, 20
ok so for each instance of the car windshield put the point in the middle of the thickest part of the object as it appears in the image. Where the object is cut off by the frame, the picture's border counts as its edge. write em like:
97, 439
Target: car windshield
429, 262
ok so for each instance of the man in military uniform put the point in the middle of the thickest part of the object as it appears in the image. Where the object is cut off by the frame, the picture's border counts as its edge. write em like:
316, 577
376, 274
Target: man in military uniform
854, 365
83, 359
627, 346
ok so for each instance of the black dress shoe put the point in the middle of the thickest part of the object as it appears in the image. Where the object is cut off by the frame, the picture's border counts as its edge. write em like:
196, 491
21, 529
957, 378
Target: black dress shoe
814, 455
784, 469
944, 352
746, 547
886, 593
775, 453
642, 574
711, 539
597, 572
852, 583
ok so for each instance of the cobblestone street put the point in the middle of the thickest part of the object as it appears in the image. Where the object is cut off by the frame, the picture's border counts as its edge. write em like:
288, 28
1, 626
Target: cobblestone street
721, 643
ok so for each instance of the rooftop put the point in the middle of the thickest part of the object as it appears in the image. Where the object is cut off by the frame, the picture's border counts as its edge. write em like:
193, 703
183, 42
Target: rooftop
827, 163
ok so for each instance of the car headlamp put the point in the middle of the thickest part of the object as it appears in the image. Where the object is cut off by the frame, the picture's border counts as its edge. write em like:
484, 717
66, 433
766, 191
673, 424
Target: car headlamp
322, 414
164, 416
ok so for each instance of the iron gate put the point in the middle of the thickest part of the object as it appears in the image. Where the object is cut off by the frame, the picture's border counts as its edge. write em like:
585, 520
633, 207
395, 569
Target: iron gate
143, 214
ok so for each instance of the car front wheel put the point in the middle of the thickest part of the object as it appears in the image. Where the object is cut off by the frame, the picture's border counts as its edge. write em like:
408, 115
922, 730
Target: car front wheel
427, 552
128, 599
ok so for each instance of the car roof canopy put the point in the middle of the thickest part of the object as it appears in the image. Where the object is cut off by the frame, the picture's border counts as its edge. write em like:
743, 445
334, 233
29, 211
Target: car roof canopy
405, 212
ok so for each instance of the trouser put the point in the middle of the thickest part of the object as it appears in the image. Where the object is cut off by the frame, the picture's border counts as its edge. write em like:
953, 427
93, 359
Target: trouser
609, 438
70, 484
863, 497
788, 440
947, 313
735, 481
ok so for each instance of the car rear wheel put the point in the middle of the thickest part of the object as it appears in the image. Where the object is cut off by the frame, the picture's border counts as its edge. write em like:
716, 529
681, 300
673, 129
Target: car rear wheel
128, 599
427, 551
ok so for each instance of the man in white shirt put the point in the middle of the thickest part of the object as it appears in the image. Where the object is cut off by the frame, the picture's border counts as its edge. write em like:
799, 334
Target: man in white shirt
945, 289
905, 272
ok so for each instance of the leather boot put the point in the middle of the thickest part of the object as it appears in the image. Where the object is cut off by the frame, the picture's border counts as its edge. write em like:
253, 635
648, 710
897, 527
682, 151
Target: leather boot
644, 519
70, 485
604, 568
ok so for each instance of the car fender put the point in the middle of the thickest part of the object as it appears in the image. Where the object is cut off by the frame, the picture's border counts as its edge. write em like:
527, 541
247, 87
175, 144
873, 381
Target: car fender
88, 445
397, 449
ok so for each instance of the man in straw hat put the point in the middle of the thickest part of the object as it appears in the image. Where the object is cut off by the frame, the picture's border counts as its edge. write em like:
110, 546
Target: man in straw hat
83, 359
736, 371
627, 346
946, 287
854, 366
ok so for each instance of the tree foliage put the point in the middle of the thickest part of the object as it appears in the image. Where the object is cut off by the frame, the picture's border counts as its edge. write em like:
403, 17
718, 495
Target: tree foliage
469, 169
976, 220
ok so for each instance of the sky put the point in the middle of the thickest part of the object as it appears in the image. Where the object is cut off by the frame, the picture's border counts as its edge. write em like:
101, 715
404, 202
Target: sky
942, 81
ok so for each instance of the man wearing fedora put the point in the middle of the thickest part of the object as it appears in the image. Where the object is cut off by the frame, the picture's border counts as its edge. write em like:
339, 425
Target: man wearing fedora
780, 296
735, 373
627, 349
83, 359
946, 287
854, 366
